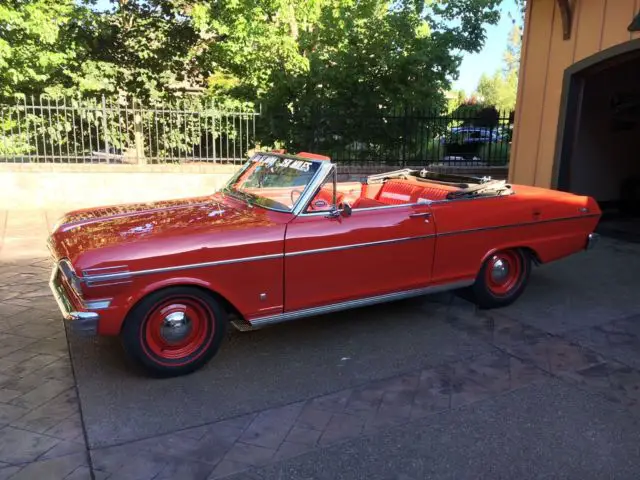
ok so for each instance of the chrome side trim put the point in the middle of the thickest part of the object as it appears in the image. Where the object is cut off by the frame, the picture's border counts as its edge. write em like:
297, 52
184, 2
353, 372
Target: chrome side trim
91, 271
92, 284
127, 275
521, 224
357, 245
361, 302
122, 276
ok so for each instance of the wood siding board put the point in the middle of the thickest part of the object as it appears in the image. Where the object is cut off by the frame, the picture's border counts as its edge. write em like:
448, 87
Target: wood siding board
588, 28
522, 81
560, 58
618, 16
533, 91
597, 25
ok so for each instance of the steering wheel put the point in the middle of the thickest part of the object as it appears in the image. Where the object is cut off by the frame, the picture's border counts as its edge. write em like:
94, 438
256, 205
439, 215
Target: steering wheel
299, 192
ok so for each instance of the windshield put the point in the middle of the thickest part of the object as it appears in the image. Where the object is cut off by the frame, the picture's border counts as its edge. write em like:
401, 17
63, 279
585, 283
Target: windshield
273, 181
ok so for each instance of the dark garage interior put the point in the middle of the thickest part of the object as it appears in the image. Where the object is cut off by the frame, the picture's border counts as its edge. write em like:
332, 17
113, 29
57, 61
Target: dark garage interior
601, 150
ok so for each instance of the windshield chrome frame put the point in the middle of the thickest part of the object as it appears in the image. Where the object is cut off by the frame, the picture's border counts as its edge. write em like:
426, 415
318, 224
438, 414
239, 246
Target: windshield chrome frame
306, 195
313, 186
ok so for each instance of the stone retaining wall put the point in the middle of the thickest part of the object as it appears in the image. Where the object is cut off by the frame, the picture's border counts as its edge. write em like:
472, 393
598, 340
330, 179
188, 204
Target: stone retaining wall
69, 186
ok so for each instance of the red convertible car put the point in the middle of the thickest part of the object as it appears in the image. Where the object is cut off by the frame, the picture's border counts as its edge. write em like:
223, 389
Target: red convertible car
285, 240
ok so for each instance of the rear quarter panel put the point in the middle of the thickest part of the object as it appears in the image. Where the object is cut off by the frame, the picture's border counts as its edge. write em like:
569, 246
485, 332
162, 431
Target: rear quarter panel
552, 224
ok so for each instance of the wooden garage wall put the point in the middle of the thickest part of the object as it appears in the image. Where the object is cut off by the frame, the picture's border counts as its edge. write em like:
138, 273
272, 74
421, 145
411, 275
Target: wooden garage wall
597, 25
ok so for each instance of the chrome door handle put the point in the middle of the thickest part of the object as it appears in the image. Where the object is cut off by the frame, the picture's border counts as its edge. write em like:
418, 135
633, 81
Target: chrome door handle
421, 214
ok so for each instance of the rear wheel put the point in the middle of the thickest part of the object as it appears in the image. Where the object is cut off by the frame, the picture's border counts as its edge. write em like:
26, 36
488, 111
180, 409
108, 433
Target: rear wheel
502, 279
174, 331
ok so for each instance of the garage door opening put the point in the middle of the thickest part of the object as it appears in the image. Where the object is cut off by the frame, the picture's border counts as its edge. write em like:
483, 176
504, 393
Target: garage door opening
599, 137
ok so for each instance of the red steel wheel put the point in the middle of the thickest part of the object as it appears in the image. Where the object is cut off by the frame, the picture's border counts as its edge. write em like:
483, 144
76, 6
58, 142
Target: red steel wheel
177, 327
502, 278
503, 272
174, 331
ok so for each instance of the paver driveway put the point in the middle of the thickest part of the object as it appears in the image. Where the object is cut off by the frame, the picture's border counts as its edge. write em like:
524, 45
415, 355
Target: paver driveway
424, 388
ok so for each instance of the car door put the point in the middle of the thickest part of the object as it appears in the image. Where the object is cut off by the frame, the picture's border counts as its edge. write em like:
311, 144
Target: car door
372, 251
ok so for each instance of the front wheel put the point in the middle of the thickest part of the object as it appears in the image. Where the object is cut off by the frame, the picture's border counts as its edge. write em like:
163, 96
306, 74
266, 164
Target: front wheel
174, 331
502, 279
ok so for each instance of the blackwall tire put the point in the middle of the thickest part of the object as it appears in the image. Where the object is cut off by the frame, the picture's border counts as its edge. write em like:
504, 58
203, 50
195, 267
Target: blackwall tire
502, 279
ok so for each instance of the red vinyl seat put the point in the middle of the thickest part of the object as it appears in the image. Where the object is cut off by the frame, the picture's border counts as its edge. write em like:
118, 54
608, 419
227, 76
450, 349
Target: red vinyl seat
397, 192
364, 202
436, 193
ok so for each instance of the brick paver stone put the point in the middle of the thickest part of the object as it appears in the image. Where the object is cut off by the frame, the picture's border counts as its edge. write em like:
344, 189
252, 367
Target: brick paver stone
41, 431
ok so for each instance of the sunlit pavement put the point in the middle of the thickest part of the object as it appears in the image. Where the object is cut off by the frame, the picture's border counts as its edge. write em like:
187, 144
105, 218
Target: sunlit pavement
424, 388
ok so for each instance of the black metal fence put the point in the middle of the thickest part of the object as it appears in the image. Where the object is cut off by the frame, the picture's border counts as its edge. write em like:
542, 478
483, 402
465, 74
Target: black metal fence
101, 130
466, 137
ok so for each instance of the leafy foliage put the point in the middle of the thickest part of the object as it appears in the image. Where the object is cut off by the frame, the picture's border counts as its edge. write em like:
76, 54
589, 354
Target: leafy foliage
299, 59
500, 89
41, 42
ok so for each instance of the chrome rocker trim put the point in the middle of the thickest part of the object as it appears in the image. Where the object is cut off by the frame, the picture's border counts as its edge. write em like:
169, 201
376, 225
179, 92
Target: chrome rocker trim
261, 322
81, 323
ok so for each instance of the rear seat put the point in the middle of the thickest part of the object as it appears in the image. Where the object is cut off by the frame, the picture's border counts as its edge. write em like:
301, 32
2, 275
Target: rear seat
364, 202
398, 192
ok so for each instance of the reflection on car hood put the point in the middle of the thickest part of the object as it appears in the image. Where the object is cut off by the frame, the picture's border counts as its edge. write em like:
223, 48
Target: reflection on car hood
167, 222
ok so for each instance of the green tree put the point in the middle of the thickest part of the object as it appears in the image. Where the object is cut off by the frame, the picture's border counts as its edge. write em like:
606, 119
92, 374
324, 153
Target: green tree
350, 60
323, 69
500, 89
43, 44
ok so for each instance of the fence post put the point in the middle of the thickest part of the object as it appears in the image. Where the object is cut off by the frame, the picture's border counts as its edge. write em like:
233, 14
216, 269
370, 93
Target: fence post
138, 133
405, 135
104, 128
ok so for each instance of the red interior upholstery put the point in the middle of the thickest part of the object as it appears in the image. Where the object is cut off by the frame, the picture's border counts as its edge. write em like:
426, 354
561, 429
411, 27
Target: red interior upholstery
398, 192
438, 192
392, 192
352, 194
364, 202
415, 190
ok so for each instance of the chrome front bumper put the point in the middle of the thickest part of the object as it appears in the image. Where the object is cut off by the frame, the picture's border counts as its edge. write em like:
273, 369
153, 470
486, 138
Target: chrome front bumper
592, 239
81, 323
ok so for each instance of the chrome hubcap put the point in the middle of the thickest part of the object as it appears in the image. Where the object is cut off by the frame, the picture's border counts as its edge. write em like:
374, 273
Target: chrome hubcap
175, 327
499, 270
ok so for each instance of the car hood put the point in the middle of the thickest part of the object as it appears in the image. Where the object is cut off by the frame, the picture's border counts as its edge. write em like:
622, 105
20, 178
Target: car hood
134, 231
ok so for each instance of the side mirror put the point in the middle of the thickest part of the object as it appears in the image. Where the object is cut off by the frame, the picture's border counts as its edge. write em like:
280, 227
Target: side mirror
346, 209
